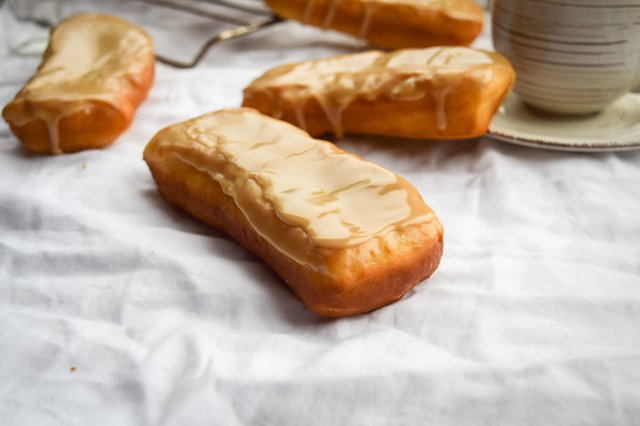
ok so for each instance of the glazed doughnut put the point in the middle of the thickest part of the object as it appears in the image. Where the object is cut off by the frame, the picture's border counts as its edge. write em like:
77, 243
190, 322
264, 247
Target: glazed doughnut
391, 24
434, 93
346, 235
95, 72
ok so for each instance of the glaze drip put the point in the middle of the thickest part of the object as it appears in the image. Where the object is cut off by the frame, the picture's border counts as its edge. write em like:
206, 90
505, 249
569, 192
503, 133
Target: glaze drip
369, 10
306, 14
331, 13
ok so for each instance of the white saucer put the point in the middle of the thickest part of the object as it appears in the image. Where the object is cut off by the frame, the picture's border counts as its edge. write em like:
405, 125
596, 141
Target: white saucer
617, 128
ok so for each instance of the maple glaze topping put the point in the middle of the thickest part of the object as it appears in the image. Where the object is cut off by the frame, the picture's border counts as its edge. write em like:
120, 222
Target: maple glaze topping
457, 9
90, 57
299, 193
407, 74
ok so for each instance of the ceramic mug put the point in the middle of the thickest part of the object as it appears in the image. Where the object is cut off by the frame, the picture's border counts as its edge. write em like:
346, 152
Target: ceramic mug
570, 56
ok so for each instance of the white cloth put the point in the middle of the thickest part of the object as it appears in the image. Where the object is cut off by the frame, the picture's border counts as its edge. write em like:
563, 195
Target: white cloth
117, 309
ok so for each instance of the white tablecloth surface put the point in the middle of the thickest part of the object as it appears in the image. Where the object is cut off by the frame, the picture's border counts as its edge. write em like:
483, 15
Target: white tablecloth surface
117, 309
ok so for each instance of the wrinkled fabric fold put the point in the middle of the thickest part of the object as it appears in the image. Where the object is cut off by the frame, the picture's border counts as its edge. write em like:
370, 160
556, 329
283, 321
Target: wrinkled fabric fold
117, 309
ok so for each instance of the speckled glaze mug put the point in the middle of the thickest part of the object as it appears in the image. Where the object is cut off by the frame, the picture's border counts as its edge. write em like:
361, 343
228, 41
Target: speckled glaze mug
570, 56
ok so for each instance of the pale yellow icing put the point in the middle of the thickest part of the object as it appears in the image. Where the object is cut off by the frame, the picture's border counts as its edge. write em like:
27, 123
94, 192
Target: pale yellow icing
303, 195
90, 57
402, 75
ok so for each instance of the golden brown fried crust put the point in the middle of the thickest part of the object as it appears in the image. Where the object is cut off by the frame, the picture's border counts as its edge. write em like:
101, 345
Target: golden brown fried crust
78, 131
361, 288
95, 126
391, 26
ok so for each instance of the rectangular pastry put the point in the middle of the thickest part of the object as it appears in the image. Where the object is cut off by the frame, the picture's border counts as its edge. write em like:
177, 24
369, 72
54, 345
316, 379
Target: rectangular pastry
434, 93
95, 72
392, 24
346, 235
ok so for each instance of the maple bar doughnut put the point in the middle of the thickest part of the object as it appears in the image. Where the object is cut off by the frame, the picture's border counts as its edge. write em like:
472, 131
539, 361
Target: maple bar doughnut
346, 235
434, 93
391, 24
95, 72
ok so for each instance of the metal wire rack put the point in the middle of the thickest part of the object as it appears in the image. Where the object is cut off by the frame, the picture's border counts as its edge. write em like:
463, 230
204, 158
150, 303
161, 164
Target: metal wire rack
255, 16
244, 26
